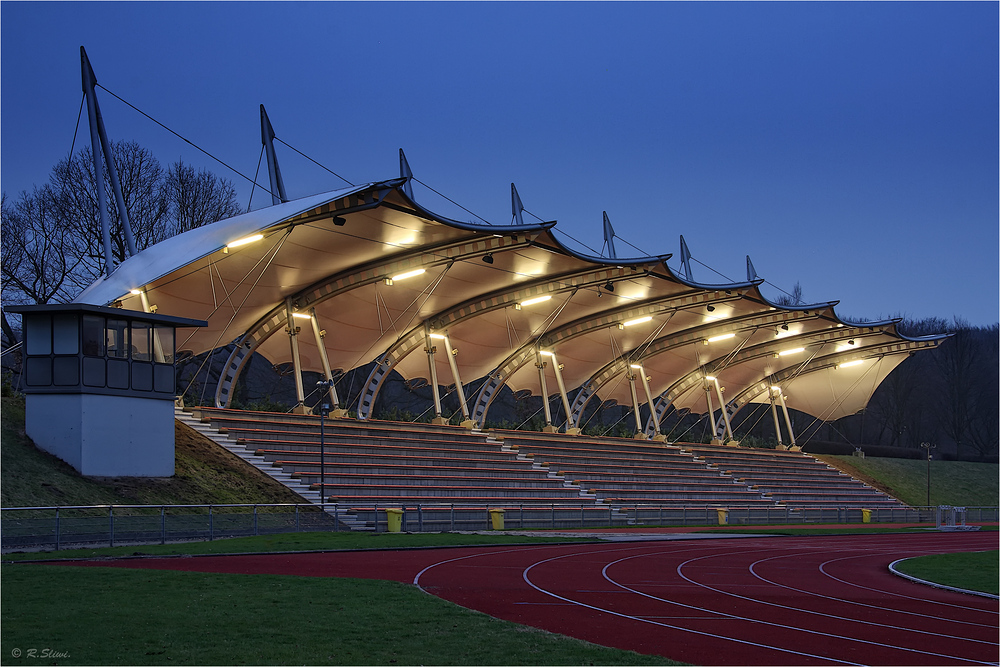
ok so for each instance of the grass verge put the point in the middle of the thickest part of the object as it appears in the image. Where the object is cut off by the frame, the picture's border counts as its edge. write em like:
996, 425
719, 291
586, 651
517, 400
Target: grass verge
978, 571
318, 541
107, 616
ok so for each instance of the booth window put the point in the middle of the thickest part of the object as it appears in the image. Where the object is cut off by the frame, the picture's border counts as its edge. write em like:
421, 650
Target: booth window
117, 339
93, 336
140, 342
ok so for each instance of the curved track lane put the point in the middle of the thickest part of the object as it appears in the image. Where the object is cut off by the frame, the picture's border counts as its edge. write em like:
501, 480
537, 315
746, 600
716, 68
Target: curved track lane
748, 601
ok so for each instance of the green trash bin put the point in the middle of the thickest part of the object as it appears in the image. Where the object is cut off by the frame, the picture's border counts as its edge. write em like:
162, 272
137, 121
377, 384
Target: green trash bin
394, 519
723, 516
496, 519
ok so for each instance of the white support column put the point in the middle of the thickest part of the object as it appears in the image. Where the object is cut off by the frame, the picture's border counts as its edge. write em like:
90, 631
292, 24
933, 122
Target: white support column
725, 413
430, 350
788, 423
453, 362
320, 334
571, 428
300, 394
711, 410
658, 437
640, 433
540, 365
774, 414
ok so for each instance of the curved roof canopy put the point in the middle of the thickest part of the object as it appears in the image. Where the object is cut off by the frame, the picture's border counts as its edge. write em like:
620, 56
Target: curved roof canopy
374, 276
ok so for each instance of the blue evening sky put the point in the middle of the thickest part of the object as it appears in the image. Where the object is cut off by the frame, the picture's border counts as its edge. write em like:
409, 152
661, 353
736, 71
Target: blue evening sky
852, 147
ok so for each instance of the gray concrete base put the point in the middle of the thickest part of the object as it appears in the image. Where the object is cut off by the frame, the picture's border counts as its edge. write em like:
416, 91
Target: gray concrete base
104, 436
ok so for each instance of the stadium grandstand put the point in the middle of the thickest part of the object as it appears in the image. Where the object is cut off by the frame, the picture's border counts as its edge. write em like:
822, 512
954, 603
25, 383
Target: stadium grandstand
366, 276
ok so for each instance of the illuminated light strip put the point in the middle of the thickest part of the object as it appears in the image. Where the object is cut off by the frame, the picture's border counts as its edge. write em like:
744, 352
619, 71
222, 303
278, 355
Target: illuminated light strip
794, 350
638, 320
408, 274
848, 364
438, 336
245, 240
537, 299
302, 316
715, 339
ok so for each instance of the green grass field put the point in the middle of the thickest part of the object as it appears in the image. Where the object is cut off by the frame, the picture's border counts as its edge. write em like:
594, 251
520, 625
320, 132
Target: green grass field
972, 571
958, 483
105, 616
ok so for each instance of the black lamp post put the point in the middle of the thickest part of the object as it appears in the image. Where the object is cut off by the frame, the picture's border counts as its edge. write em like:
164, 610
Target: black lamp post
324, 410
928, 446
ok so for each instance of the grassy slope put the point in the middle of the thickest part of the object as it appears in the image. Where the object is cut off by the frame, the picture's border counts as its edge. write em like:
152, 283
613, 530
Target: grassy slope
958, 483
204, 473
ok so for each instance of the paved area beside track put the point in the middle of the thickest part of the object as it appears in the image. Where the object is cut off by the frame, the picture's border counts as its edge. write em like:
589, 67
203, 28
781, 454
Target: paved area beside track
748, 601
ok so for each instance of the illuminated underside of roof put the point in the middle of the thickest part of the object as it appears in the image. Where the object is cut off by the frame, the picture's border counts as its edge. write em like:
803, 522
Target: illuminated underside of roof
332, 254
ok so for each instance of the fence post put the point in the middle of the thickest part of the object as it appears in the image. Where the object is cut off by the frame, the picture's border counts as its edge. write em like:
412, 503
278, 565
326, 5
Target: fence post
255, 533
583, 523
297, 518
376, 517
111, 525
453, 517
553, 515
520, 515
163, 524
57, 529
420, 519
211, 525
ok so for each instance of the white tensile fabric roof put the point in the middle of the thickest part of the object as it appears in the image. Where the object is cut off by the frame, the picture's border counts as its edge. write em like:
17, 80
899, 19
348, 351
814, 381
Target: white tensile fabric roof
333, 252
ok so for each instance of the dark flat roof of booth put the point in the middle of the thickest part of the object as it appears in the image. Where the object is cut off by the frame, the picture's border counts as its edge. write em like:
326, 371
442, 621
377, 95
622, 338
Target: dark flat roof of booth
110, 312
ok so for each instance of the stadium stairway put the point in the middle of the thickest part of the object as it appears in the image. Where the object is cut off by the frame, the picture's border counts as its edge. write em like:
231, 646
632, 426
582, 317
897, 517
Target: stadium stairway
383, 464
195, 422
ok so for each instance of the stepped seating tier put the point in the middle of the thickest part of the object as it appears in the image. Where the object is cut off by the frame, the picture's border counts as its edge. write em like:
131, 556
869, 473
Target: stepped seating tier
372, 463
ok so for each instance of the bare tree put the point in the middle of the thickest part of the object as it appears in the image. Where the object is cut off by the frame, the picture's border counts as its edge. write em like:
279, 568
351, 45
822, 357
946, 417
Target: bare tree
38, 254
793, 299
198, 198
52, 239
74, 187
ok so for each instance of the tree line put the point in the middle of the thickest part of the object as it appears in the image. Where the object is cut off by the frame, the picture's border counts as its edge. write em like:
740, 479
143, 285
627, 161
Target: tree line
50, 241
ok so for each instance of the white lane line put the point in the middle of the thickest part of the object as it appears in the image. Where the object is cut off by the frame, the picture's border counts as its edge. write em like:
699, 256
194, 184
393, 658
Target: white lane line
908, 597
642, 619
862, 604
779, 625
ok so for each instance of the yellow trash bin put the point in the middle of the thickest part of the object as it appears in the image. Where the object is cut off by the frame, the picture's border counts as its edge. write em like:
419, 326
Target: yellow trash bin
866, 516
394, 519
496, 519
723, 517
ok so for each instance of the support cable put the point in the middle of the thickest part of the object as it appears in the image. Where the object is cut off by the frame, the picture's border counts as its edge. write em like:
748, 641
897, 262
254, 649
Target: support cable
840, 401
222, 332
451, 200
185, 140
315, 162
256, 174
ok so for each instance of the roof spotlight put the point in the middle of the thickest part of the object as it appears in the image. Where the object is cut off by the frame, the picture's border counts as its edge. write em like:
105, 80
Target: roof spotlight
608, 286
785, 327
711, 309
488, 258
339, 221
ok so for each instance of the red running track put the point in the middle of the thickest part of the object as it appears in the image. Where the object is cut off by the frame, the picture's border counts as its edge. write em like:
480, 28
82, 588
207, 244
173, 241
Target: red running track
747, 601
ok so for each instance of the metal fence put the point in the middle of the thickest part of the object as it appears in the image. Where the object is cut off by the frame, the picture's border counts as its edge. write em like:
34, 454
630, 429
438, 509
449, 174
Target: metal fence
110, 525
